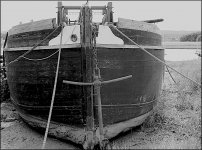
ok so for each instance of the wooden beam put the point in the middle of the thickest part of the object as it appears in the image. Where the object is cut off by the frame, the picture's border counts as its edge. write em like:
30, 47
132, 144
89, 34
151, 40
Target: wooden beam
87, 71
60, 14
109, 12
79, 7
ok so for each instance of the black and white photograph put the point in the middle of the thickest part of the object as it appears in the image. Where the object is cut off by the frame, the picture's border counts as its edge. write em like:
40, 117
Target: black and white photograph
100, 75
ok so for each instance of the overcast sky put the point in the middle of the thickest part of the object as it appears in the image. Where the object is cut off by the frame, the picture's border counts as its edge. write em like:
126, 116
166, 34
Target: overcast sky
177, 15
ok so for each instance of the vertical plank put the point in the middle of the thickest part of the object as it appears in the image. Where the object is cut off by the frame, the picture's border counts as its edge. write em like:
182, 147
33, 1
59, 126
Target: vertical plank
86, 42
109, 12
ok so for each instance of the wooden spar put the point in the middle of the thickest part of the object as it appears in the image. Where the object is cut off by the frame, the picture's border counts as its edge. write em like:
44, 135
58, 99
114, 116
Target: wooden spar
153, 21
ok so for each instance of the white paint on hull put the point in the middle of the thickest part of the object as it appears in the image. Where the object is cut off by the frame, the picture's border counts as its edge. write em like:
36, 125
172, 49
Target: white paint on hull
66, 36
105, 36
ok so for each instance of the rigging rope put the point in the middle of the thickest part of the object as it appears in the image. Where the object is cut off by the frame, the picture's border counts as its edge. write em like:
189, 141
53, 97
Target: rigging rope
171, 75
53, 95
21, 56
153, 55
41, 58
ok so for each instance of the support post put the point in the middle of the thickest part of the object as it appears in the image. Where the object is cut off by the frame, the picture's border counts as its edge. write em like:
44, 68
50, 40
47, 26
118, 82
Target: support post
109, 12
60, 13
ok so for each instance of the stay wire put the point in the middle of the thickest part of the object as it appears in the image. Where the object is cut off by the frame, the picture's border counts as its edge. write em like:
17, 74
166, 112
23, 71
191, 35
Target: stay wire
171, 75
153, 55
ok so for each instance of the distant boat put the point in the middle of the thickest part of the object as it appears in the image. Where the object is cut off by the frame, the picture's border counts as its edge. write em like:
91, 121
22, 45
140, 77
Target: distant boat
125, 104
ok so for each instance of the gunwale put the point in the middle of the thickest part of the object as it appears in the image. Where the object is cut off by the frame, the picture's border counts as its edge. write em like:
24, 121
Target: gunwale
79, 46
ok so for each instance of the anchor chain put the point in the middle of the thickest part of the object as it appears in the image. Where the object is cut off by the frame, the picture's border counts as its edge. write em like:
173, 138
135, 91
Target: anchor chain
97, 84
96, 71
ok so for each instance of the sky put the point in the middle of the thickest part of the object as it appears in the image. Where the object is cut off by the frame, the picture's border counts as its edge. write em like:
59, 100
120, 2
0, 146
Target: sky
177, 15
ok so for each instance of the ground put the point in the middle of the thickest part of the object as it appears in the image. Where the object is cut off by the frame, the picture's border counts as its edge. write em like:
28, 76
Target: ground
175, 123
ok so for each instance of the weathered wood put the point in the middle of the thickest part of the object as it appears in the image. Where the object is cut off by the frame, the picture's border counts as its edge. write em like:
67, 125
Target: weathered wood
76, 134
32, 77
32, 38
33, 26
109, 12
137, 25
139, 36
91, 7
124, 105
115, 63
86, 36
60, 13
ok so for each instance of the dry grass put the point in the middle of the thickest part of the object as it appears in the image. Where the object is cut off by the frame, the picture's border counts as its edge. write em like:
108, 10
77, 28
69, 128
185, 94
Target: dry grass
176, 121
179, 108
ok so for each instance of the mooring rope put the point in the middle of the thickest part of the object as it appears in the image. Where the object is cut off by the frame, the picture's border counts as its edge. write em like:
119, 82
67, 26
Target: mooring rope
153, 55
53, 95
21, 56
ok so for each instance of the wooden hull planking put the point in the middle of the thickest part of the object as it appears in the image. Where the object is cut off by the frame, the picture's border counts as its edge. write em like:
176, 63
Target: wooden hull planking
125, 104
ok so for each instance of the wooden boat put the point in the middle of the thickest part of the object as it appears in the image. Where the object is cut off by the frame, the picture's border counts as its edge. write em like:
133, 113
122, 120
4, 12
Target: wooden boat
75, 116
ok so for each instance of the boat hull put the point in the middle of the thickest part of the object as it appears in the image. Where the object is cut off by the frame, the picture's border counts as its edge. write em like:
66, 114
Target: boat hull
125, 104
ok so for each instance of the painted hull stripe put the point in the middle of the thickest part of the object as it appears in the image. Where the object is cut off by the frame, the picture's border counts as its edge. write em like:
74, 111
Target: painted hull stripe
79, 46
118, 105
